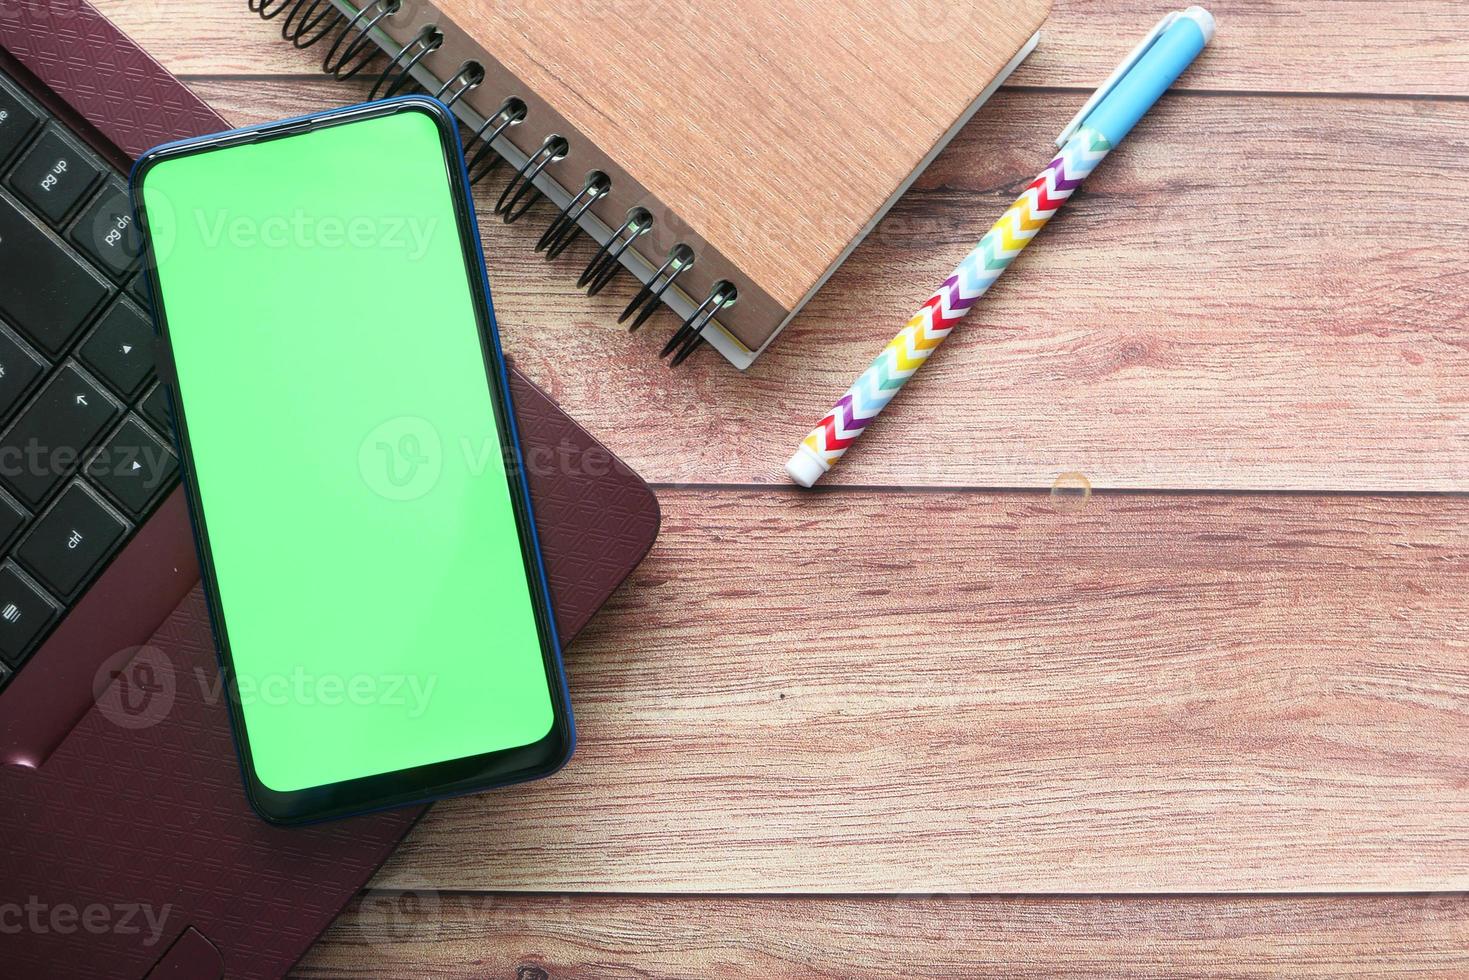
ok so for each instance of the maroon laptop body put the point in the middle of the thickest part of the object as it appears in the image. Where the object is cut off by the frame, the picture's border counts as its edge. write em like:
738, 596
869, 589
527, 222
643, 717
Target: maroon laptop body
127, 848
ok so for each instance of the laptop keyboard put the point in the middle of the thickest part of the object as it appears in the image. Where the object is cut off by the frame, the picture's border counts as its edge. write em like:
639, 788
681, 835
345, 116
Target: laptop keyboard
85, 455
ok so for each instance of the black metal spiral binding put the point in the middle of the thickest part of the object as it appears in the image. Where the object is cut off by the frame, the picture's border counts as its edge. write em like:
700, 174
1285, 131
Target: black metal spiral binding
524, 182
307, 23
467, 79
302, 28
486, 160
650, 297
605, 264
346, 62
567, 224
399, 72
268, 9
689, 337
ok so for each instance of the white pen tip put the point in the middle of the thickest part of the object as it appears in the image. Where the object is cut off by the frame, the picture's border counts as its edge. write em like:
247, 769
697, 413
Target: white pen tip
805, 468
1204, 19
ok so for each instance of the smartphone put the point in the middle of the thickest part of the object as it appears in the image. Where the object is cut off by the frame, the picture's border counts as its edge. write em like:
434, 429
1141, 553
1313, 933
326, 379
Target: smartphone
351, 461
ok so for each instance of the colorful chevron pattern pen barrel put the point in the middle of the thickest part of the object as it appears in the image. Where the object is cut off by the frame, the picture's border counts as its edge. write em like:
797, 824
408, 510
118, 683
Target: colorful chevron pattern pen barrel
1101, 124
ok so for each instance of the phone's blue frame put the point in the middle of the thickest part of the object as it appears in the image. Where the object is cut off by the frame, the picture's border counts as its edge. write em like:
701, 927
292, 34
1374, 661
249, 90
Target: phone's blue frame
439, 780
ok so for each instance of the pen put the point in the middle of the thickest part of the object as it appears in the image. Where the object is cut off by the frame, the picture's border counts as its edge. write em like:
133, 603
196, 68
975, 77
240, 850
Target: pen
1108, 116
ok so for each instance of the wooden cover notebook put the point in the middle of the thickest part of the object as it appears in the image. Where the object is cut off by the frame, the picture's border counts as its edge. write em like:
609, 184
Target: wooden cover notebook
730, 153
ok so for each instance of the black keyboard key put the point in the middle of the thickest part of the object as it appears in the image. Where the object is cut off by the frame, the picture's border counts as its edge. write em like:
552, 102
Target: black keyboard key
54, 175
18, 119
46, 291
133, 467
5, 674
106, 234
19, 369
25, 612
155, 409
120, 350
13, 517
72, 541
44, 445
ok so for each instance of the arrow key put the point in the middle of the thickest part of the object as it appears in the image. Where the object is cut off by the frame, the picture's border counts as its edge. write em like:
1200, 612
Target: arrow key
121, 348
133, 467
45, 443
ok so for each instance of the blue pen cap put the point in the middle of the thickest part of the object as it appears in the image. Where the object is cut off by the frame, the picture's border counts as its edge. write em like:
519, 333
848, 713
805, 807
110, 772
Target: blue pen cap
1149, 77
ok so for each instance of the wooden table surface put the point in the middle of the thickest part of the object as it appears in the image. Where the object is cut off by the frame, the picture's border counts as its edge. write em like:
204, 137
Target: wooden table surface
931, 719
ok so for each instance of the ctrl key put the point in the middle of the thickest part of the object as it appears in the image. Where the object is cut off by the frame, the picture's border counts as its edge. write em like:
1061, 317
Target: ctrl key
74, 538
25, 612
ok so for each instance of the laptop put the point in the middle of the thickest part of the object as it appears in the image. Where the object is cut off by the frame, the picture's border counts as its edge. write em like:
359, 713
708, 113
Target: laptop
127, 847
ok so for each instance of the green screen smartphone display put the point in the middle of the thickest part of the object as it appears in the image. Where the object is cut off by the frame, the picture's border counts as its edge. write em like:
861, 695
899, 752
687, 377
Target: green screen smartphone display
350, 457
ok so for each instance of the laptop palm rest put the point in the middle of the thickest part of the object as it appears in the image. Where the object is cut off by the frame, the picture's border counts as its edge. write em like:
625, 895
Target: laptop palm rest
138, 818
191, 957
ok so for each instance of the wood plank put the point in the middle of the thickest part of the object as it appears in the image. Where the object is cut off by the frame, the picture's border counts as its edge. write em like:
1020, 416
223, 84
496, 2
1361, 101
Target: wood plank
1244, 311
1394, 46
808, 97
1339, 46
553, 937
973, 692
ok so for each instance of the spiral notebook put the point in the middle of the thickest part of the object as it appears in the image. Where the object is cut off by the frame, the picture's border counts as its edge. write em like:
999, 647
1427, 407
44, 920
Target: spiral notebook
728, 155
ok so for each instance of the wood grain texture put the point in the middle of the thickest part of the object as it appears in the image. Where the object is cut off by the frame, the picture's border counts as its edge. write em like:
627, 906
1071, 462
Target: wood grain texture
388, 934
1153, 693
1275, 307
754, 318
775, 131
1392, 46
972, 692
